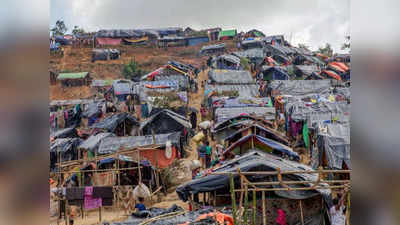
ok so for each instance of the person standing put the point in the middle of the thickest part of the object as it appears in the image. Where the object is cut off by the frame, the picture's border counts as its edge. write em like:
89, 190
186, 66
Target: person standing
193, 120
336, 211
201, 152
208, 154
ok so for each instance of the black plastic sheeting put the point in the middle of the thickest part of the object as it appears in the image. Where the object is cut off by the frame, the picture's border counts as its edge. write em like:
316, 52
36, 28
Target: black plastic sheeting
113, 144
163, 122
252, 161
110, 123
65, 133
93, 110
181, 219
334, 140
105, 54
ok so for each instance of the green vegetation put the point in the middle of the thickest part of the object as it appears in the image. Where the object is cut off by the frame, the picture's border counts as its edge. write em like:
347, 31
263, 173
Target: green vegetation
327, 50
132, 70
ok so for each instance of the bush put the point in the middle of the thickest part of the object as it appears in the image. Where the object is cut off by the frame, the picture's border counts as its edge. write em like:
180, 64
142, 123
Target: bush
132, 70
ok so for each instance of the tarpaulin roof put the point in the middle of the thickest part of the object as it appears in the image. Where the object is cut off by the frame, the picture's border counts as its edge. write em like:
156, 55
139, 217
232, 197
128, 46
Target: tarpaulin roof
111, 122
94, 141
213, 47
112, 159
183, 81
275, 73
108, 41
160, 85
252, 161
251, 53
280, 49
101, 83
300, 87
305, 69
302, 111
227, 102
302, 51
64, 133
247, 43
93, 109
336, 144
278, 148
230, 58
230, 76
122, 87
113, 144
126, 33
64, 144
63, 76
166, 114
72, 102
272, 134
245, 90
222, 114
229, 33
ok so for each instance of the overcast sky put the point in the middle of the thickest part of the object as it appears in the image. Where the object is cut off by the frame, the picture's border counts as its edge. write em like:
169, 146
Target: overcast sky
313, 22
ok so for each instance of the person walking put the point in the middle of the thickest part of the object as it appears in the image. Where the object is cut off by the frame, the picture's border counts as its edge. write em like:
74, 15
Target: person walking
201, 152
208, 154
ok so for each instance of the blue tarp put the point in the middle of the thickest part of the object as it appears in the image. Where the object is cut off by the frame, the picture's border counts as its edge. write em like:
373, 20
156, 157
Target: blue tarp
191, 41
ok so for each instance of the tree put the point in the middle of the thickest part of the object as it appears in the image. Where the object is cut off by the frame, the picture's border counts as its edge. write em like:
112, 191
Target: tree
77, 30
346, 45
304, 46
59, 29
327, 50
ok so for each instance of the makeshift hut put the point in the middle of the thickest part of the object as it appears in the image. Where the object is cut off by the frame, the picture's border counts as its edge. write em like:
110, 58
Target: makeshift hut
74, 79
212, 49
105, 54
228, 127
249, 44
227, 34
256, 55
213, 33
171, 41
121, 89
332, 146
64, 133
216, 185
102, 85
62, 150
274, 39
254, 33
120, 124
159, 150
90, 146
304, 71
127, 176
269, 73
265, 113
92, 113
192, 41
227, 62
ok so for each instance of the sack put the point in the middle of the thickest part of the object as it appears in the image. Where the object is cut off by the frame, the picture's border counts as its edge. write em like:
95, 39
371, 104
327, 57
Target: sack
198, 137
141, 191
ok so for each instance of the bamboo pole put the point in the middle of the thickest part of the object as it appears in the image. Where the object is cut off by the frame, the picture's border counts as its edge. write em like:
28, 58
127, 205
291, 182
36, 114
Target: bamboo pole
66, 216
215, 198
301, 212
301, 182
264, 208
232, 187
293, 189
254, 207
100, 214
246, 205
283, 172
348, 209
103, 170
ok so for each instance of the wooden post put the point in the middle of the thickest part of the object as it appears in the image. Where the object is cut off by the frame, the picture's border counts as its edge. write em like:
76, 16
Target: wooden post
66, 216
140, 173
254, 206
348, 209
215, 198
232, 189
264, 208
301, 212
246, 204
100, 214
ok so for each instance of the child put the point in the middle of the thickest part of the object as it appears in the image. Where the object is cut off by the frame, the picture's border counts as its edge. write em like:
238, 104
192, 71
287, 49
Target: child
140, 206
208, 154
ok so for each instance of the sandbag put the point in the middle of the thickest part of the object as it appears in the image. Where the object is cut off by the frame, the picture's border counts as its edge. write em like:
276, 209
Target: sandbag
141, 191
205, 124
195, 164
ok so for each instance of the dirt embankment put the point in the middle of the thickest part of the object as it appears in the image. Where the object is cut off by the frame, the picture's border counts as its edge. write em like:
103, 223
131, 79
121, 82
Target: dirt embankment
149, 59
